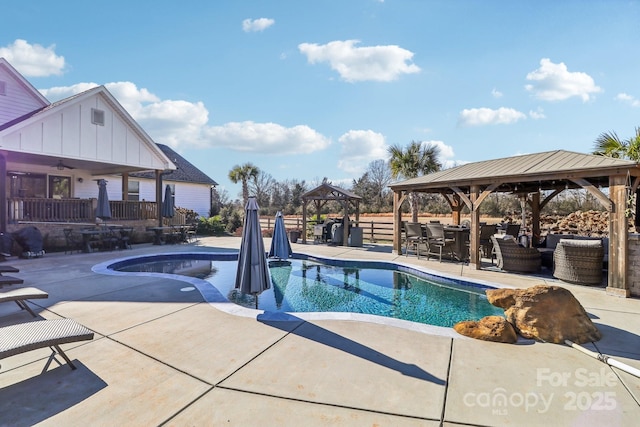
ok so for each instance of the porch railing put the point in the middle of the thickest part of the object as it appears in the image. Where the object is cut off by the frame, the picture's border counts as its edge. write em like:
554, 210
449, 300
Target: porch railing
75, 210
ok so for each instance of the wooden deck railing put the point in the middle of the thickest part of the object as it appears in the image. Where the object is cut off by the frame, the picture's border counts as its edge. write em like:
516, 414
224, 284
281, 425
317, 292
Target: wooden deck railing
75, 210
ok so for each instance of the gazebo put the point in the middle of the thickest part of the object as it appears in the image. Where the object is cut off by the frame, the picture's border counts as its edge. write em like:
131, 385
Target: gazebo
323, 194
532, 177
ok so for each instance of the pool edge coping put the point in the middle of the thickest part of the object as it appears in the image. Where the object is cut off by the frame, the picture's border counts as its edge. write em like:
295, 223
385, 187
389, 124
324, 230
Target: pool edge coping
215, 299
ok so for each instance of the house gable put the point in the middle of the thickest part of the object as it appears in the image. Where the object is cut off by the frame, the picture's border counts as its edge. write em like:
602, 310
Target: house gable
67, 129
18, 98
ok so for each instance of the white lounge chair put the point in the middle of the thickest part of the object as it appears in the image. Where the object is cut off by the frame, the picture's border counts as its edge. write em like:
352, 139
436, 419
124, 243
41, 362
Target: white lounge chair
20, 295
24, 337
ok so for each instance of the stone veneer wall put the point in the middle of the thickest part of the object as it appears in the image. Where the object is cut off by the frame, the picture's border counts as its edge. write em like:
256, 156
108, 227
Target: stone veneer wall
53, 234
633, 266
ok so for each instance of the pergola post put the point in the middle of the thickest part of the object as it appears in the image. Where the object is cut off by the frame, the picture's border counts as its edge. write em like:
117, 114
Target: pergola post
304, 221
535, 218
397, 222
618, 238
474, 232
456, 209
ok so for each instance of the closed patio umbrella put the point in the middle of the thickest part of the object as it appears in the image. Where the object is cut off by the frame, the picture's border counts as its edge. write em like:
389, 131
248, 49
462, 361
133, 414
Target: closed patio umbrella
103, 210
280, 246
252, 276
168, 209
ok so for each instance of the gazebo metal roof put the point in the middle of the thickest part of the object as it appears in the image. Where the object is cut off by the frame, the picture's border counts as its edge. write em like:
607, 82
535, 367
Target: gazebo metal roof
530, 172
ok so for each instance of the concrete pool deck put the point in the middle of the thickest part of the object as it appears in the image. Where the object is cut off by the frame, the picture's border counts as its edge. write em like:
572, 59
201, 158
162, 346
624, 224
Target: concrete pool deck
161, 355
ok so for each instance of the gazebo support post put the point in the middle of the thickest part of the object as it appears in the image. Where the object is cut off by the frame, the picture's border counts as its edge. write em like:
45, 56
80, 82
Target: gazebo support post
474, 232
618, 238
345, 224
456, 209
535, 218
304, 222
398, 198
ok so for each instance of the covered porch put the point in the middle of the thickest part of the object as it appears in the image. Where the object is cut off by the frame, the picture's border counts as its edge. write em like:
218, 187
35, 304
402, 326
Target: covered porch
45, 189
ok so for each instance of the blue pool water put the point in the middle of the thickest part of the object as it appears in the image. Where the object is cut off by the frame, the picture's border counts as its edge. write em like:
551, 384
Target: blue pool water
309, 285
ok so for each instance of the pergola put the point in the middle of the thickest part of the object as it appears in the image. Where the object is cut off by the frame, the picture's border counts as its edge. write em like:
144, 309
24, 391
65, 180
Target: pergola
323, 194
532, 177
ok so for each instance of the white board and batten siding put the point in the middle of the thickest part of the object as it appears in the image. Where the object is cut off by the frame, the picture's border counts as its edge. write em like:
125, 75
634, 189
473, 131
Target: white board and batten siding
68, 132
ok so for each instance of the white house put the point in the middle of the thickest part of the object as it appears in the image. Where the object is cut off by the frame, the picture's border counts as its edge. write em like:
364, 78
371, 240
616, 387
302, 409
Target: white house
52, 154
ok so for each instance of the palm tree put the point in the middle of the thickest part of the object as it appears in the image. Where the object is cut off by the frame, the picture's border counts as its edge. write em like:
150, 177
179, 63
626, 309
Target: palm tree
243, 174
415, 161
610, 145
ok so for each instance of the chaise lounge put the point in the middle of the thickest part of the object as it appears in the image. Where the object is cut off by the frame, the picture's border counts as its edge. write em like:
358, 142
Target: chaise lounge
24, 337
20, 295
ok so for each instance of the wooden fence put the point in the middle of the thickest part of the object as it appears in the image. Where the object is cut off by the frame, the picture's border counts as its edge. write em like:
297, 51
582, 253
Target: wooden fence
372, 230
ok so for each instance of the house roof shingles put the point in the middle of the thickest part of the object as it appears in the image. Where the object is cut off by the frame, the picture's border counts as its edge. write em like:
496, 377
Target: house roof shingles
185, 172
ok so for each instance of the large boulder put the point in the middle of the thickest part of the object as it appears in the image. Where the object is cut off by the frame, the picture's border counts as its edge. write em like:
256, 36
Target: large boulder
489, 328
546, 313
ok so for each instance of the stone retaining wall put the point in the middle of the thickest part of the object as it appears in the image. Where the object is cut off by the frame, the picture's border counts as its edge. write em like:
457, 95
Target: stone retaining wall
53, 234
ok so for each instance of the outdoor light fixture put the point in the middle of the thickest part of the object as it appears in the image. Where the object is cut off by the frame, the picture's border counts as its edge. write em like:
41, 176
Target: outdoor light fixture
60, 166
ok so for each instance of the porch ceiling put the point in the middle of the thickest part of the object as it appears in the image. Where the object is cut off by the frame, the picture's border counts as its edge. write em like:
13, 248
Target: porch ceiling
94, 167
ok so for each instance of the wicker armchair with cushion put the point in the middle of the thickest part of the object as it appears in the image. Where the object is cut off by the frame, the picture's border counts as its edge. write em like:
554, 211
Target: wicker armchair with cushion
578, 261
513, 257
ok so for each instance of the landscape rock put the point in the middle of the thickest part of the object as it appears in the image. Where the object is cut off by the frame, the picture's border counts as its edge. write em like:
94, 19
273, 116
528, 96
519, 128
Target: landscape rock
545, 313
489, 328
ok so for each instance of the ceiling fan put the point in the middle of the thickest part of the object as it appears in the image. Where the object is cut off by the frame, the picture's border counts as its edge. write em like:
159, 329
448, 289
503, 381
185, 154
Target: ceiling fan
61, 166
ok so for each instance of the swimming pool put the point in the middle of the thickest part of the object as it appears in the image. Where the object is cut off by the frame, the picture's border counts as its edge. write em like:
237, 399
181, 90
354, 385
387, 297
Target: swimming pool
309, 285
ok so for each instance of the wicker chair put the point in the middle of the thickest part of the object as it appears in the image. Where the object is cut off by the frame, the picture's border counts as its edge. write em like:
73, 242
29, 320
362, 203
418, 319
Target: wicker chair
579, 261
513, 257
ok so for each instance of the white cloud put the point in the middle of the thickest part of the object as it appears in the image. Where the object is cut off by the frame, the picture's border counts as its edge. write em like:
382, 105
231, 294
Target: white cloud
270, 138
537, 114
253, 25
180, 123
359, 148
487, 116
446, 154
553, 82
60, 92
33, 60
496, 93
628, 99
376, 63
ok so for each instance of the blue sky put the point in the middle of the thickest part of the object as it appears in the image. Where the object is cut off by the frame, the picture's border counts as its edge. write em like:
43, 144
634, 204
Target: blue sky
313, 89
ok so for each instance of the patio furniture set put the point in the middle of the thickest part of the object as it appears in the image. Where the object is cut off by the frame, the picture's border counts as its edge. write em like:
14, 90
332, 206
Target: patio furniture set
573, 259
180, 233
101, 237
435, 239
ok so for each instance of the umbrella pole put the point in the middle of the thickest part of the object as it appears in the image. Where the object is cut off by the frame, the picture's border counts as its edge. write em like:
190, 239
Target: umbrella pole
606, 359
256, 298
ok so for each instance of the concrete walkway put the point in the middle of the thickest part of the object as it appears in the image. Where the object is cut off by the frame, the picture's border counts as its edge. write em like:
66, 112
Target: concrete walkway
163, 356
